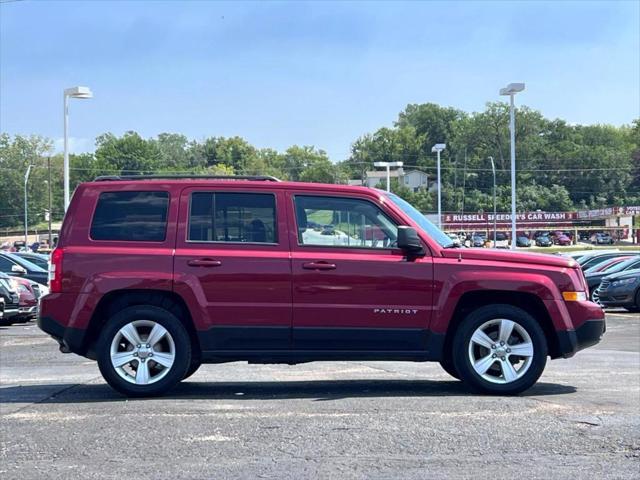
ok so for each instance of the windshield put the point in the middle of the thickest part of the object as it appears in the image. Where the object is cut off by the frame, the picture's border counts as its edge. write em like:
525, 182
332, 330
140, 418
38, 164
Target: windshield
428, 227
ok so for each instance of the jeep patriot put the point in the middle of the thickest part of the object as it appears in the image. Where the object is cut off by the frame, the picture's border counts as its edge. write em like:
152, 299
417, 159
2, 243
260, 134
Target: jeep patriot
153, 276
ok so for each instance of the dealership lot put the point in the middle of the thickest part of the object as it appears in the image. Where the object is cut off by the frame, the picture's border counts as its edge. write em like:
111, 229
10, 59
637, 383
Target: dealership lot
320, 420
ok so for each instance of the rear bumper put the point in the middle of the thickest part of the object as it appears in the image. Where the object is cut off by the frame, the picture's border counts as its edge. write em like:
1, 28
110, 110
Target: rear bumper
71, 339
586, 335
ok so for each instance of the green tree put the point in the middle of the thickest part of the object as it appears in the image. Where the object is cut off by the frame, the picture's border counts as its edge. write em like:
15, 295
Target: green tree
128, 154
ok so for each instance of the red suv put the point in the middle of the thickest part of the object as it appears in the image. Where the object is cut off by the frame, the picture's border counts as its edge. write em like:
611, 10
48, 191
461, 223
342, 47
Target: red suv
154, 276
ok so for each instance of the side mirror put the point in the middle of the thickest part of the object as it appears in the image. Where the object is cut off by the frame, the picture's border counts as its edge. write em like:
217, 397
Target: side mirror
409, 241
18, 269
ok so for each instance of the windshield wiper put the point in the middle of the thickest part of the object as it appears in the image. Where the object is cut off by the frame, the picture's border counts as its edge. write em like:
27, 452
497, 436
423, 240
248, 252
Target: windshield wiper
453, 245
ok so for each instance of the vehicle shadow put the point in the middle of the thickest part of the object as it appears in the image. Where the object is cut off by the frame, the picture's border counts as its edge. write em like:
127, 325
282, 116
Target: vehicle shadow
317, 390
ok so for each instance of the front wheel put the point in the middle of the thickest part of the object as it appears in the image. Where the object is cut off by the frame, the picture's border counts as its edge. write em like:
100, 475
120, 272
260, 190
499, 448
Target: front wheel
143, 351
448, 366
499, 349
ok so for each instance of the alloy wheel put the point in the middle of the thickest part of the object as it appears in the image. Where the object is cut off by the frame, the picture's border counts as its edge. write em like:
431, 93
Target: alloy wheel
142, 352
500, 351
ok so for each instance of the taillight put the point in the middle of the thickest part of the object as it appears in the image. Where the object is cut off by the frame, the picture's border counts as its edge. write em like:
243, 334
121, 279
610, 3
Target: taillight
55, 271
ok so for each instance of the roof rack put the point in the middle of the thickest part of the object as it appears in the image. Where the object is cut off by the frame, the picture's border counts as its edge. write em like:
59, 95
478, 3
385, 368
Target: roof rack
112, 178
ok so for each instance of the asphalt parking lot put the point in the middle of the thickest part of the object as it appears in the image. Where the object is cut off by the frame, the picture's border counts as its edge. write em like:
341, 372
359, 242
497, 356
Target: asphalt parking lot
59, 420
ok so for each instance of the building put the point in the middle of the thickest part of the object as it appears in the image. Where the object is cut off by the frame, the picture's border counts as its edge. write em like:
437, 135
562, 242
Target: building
412, 179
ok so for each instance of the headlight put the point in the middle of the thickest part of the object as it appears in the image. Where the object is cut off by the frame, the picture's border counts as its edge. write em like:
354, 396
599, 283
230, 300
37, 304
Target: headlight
574, 296
626, 281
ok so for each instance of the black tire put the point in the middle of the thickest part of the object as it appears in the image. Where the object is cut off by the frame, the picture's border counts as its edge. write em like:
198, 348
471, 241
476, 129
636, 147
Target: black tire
476, 319
193, 368
448, 366
173, 326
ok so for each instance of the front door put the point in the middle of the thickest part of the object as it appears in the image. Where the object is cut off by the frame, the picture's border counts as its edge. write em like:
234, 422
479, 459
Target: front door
353, 290
233, 261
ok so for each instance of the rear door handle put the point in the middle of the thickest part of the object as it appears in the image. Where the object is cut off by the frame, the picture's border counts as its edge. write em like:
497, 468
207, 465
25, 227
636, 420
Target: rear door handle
204, 262
321, 265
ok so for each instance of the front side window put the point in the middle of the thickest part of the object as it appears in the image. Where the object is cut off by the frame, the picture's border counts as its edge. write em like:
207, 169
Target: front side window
343, 222
232, 217
131, 216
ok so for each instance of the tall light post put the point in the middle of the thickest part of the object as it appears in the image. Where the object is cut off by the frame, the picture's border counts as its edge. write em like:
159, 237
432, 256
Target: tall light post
511, 90
493, 168
437, 148
388, 165
73, 92
26, 223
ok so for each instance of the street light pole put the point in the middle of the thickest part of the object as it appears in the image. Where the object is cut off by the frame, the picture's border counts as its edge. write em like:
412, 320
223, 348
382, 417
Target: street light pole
74, 92
388, 165
511, 90
493, 168
50, 212
26, 223
438, 147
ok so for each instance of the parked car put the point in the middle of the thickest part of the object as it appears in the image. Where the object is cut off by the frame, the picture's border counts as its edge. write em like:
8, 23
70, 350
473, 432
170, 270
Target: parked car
594, 278
578, 254
28, 293
501, 240
601, 267
9, 293
38, 259
523, 241
543, 241
562, 240
153, 277
477, 241
11, 264
602, 239
596, 258
621, 290
454, 238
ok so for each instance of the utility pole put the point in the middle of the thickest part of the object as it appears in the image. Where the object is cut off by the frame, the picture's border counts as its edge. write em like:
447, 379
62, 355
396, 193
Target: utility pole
26, 223
50, 212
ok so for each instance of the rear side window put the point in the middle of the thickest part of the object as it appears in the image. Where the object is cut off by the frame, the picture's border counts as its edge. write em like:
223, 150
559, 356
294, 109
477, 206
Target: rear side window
232, 217
131, 216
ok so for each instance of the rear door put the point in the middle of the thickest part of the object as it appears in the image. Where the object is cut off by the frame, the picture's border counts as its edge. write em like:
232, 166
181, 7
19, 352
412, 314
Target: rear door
353, 290
232, 258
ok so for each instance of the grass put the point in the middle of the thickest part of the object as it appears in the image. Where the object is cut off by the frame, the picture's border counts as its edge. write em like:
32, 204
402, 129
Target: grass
575, 248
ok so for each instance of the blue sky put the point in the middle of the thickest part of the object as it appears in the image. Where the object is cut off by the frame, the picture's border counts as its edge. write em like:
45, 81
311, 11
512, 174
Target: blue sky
317, 74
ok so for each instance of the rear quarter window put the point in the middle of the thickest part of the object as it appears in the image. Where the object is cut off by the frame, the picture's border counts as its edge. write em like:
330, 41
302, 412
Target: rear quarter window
131, 217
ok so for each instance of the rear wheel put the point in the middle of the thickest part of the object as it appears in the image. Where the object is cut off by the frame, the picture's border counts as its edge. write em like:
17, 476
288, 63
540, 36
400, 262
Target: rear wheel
143, 351
499, 349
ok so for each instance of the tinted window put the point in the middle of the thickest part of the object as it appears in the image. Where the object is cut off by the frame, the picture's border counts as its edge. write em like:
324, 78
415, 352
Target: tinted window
343, 222
131, 216
232, 217
5, 264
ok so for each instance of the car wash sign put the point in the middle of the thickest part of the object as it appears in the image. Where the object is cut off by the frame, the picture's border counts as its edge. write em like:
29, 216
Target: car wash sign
544, 217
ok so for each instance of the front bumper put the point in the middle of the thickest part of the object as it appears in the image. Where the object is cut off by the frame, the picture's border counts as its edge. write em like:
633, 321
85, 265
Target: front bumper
617, 296
586, 335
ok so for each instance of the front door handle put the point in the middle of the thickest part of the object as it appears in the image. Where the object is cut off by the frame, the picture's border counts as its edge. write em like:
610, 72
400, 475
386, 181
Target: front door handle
321, 265
204, 262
